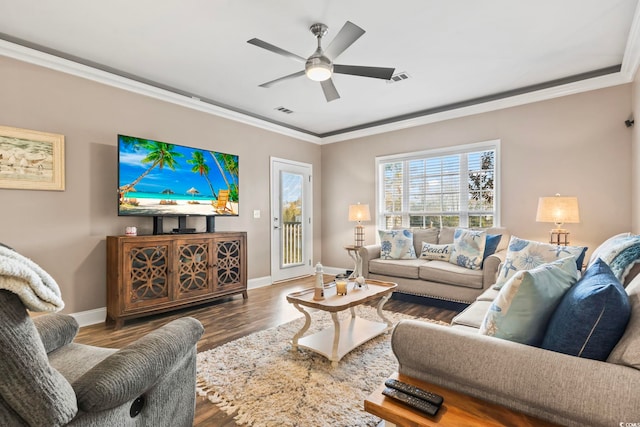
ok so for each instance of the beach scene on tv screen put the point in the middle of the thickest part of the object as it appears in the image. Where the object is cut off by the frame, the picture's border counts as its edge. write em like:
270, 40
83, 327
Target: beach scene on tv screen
161, 179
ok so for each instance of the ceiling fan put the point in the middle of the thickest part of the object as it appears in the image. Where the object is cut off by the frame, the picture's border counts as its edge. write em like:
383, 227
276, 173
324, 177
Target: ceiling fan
319, 66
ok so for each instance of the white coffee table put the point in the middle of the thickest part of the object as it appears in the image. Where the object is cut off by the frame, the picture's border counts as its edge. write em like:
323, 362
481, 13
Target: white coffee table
346, 334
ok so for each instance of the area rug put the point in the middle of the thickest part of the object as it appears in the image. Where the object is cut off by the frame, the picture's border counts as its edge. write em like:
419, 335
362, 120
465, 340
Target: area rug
261, 380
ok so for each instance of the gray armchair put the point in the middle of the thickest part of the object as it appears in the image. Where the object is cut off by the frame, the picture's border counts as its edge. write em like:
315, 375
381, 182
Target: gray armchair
48, 380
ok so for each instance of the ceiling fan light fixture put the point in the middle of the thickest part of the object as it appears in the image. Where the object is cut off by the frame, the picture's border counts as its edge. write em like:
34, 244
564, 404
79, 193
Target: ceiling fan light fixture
318, 68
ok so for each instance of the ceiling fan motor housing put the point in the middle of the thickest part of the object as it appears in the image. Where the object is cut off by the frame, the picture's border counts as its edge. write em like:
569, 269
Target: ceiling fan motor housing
318, 67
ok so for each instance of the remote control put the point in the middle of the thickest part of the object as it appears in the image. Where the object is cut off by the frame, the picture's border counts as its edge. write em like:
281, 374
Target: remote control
414, 402
432, 398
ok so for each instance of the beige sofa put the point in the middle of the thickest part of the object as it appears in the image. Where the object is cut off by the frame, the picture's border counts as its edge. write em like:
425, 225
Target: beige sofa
433, 278
565, 389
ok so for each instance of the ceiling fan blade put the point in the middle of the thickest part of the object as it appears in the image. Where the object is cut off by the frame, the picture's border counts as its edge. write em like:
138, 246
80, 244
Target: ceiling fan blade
357, 70
290, 76
329, 89
276, 49
347, 35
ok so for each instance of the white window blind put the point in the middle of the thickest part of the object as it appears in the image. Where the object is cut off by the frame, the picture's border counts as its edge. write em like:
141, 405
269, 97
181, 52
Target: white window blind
438, 188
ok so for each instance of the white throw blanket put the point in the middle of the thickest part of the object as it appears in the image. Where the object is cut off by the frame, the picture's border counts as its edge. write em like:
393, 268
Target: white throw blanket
35, 287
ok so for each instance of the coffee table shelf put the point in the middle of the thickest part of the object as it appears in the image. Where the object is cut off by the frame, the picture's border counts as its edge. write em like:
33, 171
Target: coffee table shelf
354, 331
346, 334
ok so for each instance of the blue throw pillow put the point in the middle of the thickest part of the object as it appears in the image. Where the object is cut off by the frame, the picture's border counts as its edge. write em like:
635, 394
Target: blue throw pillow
591, 317
491, 244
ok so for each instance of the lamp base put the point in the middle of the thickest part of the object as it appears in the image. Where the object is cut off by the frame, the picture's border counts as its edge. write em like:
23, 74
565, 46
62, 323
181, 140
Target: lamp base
559, 236
358, 234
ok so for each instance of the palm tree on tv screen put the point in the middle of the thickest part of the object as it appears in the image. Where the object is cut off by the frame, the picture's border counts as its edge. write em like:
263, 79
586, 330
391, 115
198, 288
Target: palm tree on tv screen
200, 166
231, 165
159, 154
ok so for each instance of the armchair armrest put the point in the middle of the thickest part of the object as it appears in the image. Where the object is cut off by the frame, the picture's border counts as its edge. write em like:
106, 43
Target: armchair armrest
56, 330
367, 253
491, 267
132, 370
554, 386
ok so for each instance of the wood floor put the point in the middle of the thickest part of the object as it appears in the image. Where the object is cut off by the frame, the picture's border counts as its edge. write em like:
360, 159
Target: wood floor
229, 319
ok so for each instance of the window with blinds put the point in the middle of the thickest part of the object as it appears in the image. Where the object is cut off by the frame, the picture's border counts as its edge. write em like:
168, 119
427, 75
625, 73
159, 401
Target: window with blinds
439, 188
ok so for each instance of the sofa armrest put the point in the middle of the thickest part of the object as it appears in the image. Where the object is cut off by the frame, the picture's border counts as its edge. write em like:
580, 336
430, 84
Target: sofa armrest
132, 370
553, 386
368, 253
491, 267
56, 330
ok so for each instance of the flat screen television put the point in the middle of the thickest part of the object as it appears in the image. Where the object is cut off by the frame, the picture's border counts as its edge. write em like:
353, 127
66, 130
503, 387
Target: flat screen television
160, 179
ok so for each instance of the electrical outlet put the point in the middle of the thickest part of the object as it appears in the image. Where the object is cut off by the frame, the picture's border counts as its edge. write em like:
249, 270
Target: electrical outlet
256, 213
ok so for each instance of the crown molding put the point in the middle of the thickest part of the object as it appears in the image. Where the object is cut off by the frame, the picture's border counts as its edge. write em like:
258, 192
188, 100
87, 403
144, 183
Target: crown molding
601, 82
36, 57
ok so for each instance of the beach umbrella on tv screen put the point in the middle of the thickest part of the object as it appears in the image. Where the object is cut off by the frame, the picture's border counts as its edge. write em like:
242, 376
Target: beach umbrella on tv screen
193, 191
167, 191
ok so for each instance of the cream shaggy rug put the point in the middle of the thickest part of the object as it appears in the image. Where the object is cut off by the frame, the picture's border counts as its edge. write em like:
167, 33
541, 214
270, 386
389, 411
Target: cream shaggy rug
264, 382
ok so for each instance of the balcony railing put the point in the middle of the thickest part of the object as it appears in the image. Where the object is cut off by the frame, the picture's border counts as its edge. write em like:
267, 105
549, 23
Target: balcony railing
291, 244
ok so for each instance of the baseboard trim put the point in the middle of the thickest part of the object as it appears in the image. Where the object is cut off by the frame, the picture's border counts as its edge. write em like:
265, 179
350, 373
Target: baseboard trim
259, 282
90, 317
98, 315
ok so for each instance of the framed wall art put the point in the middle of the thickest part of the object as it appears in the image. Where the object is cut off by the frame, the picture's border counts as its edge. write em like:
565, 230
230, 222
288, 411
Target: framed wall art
31, 160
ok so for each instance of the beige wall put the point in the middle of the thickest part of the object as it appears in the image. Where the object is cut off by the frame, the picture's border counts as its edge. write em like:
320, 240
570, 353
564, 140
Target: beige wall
65, 231
575, 145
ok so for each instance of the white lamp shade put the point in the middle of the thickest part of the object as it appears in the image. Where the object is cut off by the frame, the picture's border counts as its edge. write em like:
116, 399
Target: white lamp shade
558, 209
359, 213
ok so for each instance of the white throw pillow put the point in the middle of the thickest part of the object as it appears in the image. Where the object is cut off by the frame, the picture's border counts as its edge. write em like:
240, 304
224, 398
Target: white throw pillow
468, 248
527, 254
437, 252
607, 245
396, 244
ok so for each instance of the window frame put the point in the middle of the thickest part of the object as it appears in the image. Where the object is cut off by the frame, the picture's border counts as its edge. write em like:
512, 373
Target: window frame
436, 152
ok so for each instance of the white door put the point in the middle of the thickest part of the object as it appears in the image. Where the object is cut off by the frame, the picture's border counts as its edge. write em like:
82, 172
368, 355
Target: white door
291, 225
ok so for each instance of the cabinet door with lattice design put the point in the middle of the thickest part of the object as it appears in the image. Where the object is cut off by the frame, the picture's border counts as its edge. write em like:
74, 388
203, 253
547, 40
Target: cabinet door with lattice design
147, 274
194, 262
229, 263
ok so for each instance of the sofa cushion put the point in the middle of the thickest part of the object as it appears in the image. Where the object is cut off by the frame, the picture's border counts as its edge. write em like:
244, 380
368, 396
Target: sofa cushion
408, 268
468, 248
473, 315
396, 244
431, 252
591, 317
527, 254
488, 295
627, 350
424, 235
446, 235
524, 305
445, 272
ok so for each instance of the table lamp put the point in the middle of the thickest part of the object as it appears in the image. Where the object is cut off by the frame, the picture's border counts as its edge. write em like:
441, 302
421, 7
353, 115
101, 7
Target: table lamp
359, 213
559, 210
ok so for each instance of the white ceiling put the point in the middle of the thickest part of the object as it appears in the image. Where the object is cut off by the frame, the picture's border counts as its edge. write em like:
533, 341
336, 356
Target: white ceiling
457, 53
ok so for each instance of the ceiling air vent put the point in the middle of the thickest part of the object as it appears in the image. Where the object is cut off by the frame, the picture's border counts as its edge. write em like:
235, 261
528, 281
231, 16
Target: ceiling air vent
398, 77
284, 110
